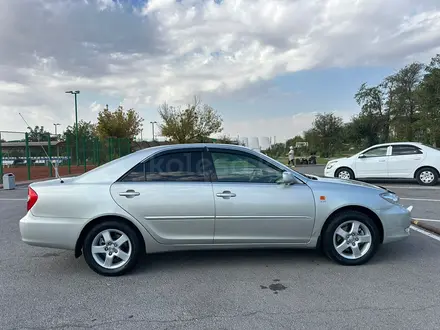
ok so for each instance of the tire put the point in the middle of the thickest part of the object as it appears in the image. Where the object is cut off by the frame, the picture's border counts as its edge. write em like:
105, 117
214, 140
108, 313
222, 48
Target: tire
346, 172
366, 250
130, 250
427, 176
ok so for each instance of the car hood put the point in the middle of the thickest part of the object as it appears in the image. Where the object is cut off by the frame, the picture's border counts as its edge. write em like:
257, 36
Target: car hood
345, 182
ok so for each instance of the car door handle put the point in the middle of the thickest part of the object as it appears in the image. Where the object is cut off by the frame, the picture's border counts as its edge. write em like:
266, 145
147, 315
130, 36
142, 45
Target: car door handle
418, 158
382, 161
226, 194
129, 193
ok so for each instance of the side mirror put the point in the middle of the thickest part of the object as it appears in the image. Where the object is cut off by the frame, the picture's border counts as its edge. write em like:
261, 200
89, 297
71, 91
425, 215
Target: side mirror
288, 178
362, 156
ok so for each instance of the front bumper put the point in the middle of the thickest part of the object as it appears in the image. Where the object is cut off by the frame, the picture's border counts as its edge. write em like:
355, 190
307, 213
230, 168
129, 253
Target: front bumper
329, 173
396, 222
61, 233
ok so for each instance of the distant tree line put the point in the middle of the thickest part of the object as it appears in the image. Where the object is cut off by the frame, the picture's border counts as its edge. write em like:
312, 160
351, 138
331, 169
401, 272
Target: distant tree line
405, 106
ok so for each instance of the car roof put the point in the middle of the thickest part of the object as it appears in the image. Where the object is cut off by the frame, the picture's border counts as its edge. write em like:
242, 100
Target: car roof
396, 143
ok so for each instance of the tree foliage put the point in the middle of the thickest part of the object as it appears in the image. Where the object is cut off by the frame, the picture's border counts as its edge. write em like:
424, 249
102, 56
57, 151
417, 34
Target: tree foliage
85, 130
38, 133
118, 123
405, 106
194, 123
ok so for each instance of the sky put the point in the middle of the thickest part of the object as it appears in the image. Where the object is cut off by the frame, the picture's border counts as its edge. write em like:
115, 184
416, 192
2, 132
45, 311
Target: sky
267, 66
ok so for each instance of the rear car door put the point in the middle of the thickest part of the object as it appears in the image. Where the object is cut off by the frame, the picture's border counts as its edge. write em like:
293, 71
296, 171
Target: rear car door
251, 207
171, 195
373, 163
404, 160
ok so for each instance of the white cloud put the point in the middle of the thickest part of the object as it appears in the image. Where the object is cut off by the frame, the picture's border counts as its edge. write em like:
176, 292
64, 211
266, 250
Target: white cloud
170, 50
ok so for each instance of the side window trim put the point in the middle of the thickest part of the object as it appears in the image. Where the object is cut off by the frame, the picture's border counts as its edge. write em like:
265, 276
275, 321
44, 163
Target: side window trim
374, 148
163, 153
239, 153
419, 150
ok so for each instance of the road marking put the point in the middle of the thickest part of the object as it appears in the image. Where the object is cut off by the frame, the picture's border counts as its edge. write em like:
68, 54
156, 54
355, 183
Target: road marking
420, 199
411, 187
13, 199
429, 220
425, 232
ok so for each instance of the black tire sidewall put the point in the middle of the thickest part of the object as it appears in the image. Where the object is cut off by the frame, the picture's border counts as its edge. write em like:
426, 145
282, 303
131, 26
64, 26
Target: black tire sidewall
420, 182
127, 230
327, 238
339, 170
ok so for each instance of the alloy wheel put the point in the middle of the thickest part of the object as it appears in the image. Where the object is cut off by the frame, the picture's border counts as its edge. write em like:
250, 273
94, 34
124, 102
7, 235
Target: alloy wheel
111, 248
352, 239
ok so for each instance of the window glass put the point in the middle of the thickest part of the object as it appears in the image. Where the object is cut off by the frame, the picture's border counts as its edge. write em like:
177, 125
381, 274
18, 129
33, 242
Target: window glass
405, 150
237, 167
137, 174
176, 166
376, 152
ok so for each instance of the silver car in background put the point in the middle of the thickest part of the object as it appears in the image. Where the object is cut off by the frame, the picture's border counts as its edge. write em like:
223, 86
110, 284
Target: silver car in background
207, 196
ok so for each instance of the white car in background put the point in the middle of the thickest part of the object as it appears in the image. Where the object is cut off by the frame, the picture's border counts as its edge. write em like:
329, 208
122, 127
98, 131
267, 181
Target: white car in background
399, 160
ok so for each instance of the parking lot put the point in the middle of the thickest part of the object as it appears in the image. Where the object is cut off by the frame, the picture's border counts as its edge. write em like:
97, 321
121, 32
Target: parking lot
272, 289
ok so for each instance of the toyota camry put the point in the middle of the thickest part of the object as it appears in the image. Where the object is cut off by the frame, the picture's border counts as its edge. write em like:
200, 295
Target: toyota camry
207, 196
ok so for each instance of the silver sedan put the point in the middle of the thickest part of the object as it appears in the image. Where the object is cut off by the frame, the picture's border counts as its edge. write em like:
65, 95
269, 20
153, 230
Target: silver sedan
207, 196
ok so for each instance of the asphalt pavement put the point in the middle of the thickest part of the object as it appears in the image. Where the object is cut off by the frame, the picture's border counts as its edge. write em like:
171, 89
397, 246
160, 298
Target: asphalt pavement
270, 289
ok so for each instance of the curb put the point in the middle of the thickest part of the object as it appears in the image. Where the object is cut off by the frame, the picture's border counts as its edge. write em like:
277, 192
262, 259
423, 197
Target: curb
429, 228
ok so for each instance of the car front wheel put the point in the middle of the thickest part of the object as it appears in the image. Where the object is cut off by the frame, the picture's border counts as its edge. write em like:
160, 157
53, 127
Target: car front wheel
112, 248
351, 238
344, 173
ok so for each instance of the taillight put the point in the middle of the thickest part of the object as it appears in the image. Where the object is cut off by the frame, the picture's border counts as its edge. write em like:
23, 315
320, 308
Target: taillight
32, 198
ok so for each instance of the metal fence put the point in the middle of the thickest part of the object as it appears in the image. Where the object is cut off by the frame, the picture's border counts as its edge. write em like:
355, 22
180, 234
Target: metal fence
30, 158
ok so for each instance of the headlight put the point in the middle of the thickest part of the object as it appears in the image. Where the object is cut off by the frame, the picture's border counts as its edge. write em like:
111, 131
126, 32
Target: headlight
331, 164
390, 197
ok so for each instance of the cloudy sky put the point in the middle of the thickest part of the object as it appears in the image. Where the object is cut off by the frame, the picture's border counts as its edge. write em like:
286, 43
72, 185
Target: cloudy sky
266, 65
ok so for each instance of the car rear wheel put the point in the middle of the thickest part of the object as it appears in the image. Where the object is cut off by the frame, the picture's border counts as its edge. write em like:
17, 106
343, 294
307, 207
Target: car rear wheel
351, 238
344, 173
112, 248
427, 176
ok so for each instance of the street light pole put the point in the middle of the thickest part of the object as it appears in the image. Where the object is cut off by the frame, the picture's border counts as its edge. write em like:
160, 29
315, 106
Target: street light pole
76, 125
152, 125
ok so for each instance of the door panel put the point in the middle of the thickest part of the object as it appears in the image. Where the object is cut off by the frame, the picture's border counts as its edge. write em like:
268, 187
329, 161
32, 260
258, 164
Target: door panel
171, 196
266, 213
404, 160
252, 207
173, 212
373, 164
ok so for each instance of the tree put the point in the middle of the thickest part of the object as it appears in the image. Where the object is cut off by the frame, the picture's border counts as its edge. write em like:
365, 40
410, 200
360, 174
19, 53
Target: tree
405, 110
195, 123
85, 130
38, 133
372, 123
326, 133
118, 124
429, 99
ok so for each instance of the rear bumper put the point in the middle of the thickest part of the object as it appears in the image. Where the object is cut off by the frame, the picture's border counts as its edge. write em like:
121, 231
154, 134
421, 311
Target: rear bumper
50, 232
396, 222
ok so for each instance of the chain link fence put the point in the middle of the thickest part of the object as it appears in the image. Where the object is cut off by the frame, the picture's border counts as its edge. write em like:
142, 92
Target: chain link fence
31, 158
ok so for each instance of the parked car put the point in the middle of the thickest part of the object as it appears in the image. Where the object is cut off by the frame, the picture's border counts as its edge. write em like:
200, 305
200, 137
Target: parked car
207, 196
401, 160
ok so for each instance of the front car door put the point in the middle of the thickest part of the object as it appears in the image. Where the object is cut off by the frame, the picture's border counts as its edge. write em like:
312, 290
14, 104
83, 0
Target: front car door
404, 160
252, 207
171, 196
373, 163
